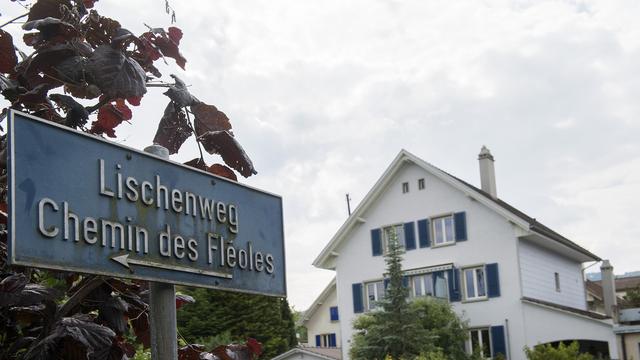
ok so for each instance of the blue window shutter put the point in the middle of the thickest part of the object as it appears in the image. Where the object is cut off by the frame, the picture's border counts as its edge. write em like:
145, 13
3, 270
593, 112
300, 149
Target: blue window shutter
493, 280
409, 236
332, 340
405, 281
454, 284
318, 341
333, 312
498, 345
376, 242
460, 223
358, 305
423, 233
386, 283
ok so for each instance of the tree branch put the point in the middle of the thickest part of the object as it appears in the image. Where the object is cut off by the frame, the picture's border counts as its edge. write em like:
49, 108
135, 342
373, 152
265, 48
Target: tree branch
14, 19
78, 296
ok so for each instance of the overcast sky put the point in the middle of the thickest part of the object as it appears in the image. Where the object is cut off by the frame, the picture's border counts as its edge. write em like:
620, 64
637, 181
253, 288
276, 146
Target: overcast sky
324, 94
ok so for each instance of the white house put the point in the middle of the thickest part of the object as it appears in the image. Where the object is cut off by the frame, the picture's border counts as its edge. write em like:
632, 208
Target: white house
518, 282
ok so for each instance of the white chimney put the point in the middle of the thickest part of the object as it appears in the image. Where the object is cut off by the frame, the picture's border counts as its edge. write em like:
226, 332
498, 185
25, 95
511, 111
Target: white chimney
487, 172
609, 290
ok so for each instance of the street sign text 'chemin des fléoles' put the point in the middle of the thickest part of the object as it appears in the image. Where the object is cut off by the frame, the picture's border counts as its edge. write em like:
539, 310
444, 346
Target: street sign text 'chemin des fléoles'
80, 203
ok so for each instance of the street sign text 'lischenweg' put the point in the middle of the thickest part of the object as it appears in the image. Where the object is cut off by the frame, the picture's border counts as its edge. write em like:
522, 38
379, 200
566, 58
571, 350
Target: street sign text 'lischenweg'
79, 203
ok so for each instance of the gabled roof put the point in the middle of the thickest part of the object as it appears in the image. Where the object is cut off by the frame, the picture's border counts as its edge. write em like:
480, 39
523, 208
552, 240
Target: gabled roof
331, 287
517, 217
317, 352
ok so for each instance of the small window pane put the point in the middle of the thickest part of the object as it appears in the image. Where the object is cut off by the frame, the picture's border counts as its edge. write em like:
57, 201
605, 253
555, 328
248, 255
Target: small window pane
405, 187
439, 234
475, 340
380, 291
417, 286
471, 291
428, 285
486, 349
420, 184
441, 286
481, 282
448, 221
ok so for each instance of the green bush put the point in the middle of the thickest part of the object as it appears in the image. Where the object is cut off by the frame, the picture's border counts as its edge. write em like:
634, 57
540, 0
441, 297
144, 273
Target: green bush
562, 352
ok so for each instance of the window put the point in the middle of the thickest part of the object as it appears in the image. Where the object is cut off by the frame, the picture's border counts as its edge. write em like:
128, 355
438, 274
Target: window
420, 184
443, 230
326, 340
557, 279
433, 284
333, 313
389, 232
422, 285
475, 283
479, 341
375, 293
405, 187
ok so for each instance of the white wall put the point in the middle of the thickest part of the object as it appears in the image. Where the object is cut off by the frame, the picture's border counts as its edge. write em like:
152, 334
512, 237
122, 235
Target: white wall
544, 325
538, 265
491, 239
320, 322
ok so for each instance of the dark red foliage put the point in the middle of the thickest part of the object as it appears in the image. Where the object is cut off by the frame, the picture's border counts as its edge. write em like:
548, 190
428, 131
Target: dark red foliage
48, 8
209, 118
190, 352
222, 170
223, 143
99, 30
182, 299
8, 58
174, 128
110, 116
167, 43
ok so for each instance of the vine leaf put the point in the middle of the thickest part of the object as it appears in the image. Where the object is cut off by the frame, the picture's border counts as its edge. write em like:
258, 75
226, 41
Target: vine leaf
173, 129
222, 170
179, 94
209, 118
223, 143
167, 42
8, 58
100, 30
79, 334
116, 75
48, 8
77, 115
109, 116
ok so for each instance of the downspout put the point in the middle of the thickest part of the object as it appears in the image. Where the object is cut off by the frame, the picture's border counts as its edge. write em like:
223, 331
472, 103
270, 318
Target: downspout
624, 347
506, 328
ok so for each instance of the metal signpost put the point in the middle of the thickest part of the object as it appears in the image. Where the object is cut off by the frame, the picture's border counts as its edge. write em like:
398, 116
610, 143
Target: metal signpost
81, 203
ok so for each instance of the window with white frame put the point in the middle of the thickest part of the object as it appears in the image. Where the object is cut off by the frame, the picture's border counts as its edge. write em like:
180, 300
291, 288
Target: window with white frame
475, 283
421, 184
422, 285
479, 341
440, 285
390, 231
375, 293
405, 187
443, 230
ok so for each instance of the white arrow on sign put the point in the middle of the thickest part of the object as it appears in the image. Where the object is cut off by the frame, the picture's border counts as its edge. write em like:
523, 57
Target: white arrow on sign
126, 261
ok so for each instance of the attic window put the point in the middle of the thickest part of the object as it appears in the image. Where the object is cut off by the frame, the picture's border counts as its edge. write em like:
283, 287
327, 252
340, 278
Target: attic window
405, 187
557, 279
421, 184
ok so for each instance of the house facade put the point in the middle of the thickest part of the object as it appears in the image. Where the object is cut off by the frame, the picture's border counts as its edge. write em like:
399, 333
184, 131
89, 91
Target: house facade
517, 282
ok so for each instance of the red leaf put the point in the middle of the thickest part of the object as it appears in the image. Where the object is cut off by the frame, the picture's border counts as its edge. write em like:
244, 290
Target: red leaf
254, 346
223, 143
89, 3
175, 34
8, 58
135, 100
173, 129
115, 74
209, 118
224, 171
48, 8
167, 44
100, 30
183, 299
190, 352
110, 116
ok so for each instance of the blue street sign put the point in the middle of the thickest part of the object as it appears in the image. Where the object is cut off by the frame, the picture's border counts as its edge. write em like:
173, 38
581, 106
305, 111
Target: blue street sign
81, 203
